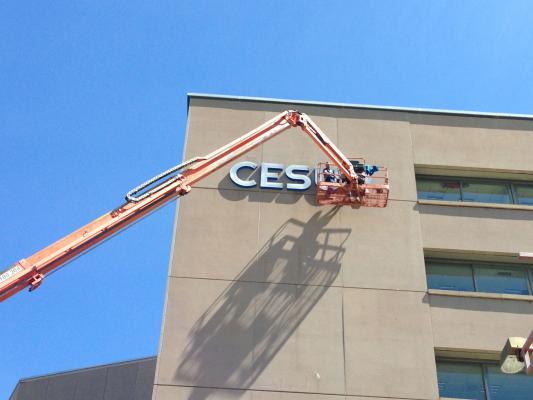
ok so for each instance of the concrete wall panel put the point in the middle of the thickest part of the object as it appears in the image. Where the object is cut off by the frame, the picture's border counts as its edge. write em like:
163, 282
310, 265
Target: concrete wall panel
186, 393
296, 147
216, 236
207, 334
214, 127
385, 248
301, 346
478, 324
281, 238
474, 229
389, 346
183, 393
382, 142
242, 335
293, 396
197, 393
472, 142
300, 243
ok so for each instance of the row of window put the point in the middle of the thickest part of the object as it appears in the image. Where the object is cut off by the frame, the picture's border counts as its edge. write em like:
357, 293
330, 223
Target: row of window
481, 382
479, 277
475, 380
470, 190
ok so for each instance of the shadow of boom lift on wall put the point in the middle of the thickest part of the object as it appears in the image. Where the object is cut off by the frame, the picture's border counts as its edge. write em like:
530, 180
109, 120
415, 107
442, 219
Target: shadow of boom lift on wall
264, 314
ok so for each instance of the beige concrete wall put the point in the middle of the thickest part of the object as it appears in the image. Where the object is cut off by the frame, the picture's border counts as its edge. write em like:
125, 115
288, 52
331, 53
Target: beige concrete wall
177, 392
478, 324
484, 147
473, 142
476, 229
270, 296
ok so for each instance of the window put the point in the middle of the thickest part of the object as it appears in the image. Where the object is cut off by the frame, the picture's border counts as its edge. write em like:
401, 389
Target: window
438, 189
525, 194
465, 380
479, 277
448, 276
486, 192
492, 279
473, 190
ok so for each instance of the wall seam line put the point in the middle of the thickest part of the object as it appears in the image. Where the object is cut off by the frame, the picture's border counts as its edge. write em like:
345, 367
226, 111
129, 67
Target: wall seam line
343, 345
272, 191
421, 236
296, 284
294, 392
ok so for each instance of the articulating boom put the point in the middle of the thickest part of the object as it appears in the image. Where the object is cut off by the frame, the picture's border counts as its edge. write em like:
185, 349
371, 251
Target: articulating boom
30, 272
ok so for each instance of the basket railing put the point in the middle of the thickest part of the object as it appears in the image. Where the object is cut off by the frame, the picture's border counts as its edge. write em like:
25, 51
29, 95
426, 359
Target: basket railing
332, 189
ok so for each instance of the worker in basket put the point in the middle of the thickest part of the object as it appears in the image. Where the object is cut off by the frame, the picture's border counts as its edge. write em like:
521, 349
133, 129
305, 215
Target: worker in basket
329, 176
363, 172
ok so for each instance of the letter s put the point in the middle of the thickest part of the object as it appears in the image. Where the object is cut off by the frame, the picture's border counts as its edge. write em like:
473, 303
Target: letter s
292, 173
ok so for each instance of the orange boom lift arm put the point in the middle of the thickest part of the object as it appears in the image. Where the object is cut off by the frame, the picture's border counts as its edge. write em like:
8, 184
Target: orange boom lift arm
30, 272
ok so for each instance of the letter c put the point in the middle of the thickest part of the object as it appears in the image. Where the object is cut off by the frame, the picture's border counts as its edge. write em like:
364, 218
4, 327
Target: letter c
233, 174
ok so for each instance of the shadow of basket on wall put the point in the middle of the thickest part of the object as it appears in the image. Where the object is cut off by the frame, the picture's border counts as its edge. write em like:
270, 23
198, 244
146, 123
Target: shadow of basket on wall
241, 332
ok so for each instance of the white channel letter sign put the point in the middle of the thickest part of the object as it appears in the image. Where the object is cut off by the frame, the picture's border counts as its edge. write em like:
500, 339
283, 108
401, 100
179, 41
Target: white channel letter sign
270, 174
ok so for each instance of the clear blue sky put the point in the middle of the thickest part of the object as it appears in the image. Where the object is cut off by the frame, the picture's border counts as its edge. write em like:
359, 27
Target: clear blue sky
93, 101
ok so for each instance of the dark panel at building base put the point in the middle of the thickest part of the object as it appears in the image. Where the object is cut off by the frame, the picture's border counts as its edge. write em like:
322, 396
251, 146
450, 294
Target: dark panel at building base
130, 380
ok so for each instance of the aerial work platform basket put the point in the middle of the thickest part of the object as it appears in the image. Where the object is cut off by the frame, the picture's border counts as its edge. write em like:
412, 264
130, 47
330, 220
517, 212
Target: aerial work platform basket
334, 188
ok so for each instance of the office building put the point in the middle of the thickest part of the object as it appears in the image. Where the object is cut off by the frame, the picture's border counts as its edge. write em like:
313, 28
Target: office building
271, 296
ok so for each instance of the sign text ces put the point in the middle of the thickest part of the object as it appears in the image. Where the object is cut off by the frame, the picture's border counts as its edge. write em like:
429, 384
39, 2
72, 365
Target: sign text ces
270, 174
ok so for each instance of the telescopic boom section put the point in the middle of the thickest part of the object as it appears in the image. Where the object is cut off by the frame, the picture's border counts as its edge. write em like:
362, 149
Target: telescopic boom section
30, 272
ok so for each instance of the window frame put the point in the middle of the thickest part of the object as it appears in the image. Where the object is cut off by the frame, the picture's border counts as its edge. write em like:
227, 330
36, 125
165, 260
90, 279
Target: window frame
511, 186
484, 364
515, 193
438, 179
520, 267
526, 268
508, 185
457, 262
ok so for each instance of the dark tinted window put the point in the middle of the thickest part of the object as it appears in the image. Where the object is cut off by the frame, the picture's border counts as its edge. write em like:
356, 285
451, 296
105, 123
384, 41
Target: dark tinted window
524, 194
438, 189
463, 381
471, 190
501, 280
480, 277
508, 387
487, 192
450, 276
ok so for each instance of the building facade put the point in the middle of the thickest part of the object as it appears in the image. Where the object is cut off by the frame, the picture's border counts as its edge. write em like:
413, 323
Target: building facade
272, 296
